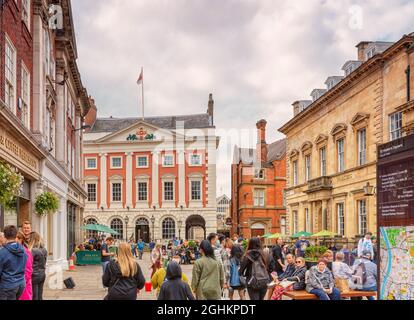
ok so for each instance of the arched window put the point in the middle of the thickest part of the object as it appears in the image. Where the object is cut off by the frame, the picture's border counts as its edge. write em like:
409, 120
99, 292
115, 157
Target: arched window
91, 233
118, 226
168, 228
142, 222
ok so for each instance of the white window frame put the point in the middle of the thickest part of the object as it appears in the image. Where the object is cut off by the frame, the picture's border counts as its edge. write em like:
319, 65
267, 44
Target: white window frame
112, 191
340, 153
168, 165
295, 221
26, 10
259, 198
362, 146
340, 211
147, 191
10, 84
308, 225
308, 168
191, 162
362, 213
96, 191
259, 174
163, 190
86, 163
295, 173
283, 225
25, 107
137, 161
395, 126
322, 161
112, 160
190, 189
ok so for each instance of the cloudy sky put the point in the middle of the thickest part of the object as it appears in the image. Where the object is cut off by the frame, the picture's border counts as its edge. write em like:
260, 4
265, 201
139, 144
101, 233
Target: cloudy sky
255, 56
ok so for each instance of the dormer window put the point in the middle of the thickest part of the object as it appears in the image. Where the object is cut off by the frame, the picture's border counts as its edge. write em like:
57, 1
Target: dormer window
349, 70
259, 174
370, 53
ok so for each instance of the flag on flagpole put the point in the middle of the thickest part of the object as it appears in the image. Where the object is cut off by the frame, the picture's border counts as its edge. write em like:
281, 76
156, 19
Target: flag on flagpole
141, 77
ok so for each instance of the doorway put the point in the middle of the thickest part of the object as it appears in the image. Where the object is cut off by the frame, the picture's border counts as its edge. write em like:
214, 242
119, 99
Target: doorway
142, 230
195, 228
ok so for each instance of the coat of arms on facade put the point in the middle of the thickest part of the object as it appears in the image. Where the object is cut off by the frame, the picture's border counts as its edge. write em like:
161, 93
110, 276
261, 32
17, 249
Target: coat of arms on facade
141, 135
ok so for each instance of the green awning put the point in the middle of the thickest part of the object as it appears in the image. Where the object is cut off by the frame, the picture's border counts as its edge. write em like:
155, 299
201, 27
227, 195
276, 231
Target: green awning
99, 228
324, 233
301, 234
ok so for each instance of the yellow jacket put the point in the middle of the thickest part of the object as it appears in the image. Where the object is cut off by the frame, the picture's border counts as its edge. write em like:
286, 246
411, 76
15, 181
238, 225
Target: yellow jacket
158, 279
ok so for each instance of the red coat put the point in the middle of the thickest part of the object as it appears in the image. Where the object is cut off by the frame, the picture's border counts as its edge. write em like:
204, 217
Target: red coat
28, 293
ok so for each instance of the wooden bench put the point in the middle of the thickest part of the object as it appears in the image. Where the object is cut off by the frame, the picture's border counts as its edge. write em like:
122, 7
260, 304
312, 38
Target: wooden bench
303, 295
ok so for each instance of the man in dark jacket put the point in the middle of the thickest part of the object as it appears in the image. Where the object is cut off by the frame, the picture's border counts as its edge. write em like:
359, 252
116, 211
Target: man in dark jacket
174, 288
278, 256
290, 267
13, 260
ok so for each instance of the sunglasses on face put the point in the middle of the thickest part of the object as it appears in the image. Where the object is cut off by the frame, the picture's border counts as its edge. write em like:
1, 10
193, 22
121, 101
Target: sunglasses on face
297, 262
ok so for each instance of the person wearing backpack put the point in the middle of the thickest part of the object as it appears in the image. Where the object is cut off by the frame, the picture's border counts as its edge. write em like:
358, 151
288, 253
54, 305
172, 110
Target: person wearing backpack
255, 269
236, 255
364, 274
174, 288
208, 275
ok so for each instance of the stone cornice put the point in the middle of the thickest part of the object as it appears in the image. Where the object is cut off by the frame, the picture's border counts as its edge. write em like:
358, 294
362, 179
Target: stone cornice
406, 107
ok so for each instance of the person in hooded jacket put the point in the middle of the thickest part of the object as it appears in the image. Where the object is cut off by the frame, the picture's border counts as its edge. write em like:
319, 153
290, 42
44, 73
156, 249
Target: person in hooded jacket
123, 276
39, 254
255, 253
12, 266
27, 292
174, 288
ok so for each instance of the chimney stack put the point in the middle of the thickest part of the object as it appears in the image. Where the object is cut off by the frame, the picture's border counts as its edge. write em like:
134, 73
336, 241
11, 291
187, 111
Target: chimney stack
90, 118
210, 110
261, 147
361, 50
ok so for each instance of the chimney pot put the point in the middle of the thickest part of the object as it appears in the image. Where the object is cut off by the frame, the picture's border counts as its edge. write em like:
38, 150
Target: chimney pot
261, 147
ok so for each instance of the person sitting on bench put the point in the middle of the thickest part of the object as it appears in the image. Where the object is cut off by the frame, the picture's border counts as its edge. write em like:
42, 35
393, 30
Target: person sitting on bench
321, 282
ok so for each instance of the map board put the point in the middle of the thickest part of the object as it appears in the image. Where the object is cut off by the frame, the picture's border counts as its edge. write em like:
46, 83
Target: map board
395, 214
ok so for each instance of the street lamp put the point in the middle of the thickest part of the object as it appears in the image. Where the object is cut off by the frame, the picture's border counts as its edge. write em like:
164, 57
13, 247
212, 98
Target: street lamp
153, 222
180, 223
369, 190
126, 225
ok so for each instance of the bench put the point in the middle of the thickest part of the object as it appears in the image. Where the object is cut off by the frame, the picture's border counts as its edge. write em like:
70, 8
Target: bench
303, 295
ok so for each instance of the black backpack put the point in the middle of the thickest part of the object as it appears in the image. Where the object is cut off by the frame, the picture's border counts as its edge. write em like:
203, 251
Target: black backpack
259, 277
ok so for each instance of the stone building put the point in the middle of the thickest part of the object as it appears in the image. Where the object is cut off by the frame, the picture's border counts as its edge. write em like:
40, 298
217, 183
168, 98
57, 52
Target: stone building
223, 214
258, 180
152, 177
332, 139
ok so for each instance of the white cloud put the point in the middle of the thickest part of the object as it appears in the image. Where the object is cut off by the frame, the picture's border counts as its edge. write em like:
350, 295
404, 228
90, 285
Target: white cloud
257, 57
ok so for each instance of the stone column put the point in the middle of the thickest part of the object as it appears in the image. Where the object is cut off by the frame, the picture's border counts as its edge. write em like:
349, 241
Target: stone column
155, 178
104, 180
128, 187
181, 178
324, 214
315, 217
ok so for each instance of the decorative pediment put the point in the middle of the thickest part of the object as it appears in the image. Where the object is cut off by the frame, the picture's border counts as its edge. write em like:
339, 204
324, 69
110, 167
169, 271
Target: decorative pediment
142, 177
338, 129
360, 119
293, 153
322, 138
306, 146
139, 132
116, 177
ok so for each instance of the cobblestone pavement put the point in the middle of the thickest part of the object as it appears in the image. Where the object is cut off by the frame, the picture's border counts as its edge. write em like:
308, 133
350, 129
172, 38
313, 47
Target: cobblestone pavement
88, 280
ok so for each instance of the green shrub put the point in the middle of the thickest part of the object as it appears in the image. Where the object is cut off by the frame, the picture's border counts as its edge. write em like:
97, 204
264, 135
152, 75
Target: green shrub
313, 253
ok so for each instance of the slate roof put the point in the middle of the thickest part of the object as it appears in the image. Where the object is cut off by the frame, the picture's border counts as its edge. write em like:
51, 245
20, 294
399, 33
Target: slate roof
194, 121
275, 151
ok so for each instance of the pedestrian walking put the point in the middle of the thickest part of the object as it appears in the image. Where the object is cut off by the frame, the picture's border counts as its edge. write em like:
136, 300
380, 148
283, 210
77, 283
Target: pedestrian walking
278, 257
140, 248
159, 276
365, 244
174, 288
216, 245
208, 275
123, 276
156, 255
105, 254
236, 255
255, 268
39, 254
27, 292
12, 266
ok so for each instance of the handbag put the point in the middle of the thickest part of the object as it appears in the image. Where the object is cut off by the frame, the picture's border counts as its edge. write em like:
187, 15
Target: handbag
342, 285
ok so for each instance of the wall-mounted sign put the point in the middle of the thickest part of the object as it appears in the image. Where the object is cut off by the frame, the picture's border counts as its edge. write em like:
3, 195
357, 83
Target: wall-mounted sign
141, 135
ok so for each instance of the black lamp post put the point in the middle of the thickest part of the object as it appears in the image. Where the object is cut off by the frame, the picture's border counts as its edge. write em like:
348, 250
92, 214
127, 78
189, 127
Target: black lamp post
180, 223
153, 222
126, 228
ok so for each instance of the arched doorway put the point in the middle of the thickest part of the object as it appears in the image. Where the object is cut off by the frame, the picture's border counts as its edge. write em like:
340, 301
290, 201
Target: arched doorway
257, 229
195, 228
142, 230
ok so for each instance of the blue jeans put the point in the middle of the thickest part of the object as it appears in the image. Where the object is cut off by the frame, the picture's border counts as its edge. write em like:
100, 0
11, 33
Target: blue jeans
373, 288
104, 265
322, 295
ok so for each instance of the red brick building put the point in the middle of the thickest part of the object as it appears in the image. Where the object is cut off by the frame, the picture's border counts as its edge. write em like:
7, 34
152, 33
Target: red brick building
258, 182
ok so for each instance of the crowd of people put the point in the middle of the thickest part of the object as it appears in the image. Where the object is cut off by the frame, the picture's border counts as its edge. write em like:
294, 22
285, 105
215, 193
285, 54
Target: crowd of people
224, 265
23, 260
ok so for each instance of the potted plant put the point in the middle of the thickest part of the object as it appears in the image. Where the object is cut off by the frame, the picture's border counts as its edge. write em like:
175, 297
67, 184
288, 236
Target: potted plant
312, 254
46, 203
10, 185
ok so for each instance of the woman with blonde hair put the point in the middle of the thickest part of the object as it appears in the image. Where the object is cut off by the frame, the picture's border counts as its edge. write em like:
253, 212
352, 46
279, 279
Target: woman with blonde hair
39, 254
156, 256
123, 276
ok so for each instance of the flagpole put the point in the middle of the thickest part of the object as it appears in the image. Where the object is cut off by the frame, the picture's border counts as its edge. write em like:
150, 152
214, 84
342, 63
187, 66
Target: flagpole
142, 93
